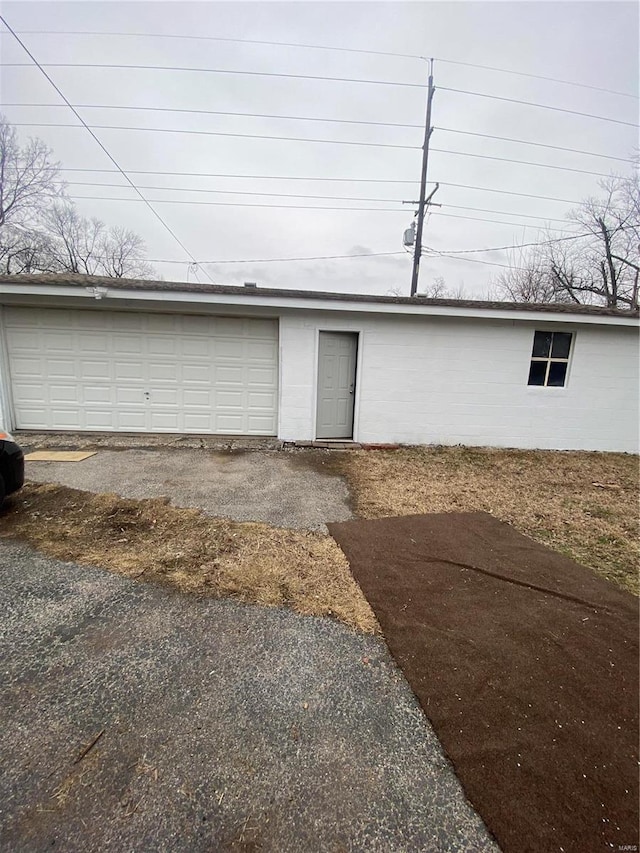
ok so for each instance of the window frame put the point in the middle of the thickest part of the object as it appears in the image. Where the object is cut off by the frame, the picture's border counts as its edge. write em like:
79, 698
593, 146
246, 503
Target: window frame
549, 360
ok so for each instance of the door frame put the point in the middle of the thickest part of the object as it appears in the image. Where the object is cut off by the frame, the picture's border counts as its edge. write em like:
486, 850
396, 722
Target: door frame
6, 384
349, 330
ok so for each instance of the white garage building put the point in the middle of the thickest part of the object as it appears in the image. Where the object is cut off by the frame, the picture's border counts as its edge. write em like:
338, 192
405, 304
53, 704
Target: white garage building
86, 353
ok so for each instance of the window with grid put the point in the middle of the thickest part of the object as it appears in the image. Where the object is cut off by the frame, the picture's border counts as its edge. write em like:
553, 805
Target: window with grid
550, 359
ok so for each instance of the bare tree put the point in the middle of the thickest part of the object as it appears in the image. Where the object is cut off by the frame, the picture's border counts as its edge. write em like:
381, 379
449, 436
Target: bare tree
602, 266
438, 289
89, 247
41, 231
29, 179
24, 251
124, 253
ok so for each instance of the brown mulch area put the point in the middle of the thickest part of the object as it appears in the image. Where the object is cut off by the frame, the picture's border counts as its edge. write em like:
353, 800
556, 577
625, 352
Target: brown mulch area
150, 540
525, 662
584, 505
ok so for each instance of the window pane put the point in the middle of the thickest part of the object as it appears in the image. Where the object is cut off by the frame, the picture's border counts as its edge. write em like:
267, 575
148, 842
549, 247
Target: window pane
561, 345
541, 344
537, 372
557, 373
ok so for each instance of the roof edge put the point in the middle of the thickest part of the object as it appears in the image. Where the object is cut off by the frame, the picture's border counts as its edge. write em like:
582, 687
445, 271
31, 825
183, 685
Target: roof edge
137, 285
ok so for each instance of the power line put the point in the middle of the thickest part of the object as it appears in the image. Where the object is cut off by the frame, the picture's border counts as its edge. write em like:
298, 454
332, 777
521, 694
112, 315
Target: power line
238, 192
285, 260
495, 221
305, 196
321, 77
373, 254
528, 245
182, 68
104, 149
242, 204
528, 142
503, 212
435, 253
317, 141
521, 162
222, 113
296, 207
539, 106
332, 48
322, 120
224, 133
509, 192
317, 178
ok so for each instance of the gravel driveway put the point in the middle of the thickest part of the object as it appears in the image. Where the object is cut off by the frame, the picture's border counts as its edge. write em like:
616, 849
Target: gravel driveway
225, 726
270, 486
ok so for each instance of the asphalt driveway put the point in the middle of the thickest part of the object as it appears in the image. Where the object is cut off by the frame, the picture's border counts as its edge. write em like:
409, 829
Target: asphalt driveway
224, 726
269, 486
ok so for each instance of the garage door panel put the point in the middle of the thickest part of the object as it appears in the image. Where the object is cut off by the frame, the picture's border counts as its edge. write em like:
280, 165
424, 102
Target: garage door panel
193, 398
128, 371
98, 394
26, 367
130, 396
263, 424
64, 394
229, 400
29, 393
102, 420
37, 418
230, 349
127, 345
58, 369
102, 370
262, 376
196, 347
260, 351
95, 370
169, 397
165, 422
134, 420
66, 418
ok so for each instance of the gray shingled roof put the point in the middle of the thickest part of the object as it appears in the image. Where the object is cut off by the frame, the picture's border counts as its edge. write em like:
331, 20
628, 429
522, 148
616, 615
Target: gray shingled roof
66, 280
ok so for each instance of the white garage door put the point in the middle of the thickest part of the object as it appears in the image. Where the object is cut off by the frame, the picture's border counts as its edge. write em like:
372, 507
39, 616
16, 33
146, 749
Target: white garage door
99, 370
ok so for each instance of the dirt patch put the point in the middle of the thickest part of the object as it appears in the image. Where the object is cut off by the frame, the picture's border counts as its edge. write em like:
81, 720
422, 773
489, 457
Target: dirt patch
150, 540
526, 664
584, 505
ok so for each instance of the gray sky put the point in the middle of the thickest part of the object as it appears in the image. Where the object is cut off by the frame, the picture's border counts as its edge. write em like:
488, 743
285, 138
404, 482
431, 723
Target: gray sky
590, 43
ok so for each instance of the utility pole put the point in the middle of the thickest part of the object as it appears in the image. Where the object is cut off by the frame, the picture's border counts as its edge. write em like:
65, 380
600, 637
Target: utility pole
424, 202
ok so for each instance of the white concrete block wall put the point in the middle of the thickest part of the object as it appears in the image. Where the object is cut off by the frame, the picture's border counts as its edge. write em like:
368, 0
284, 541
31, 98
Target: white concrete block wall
441, 380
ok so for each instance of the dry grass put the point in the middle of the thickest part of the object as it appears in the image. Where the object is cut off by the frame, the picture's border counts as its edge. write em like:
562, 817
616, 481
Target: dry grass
547, 495
183, 548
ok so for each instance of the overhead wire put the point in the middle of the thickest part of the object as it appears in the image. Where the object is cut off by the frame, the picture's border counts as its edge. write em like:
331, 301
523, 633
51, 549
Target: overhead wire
318, 178
334, 48
321, 120
296, 207
375, 254
317, 77
305, 196
102, 146
534, 104
316, 141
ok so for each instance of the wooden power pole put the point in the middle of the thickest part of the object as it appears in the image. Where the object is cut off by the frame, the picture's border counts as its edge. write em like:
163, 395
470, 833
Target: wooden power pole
424, 202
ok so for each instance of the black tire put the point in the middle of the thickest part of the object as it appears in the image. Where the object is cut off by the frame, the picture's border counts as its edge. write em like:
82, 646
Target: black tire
3, 492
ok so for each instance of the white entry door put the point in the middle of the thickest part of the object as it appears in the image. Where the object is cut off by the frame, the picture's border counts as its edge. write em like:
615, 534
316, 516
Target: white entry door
337, 356
129, 371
